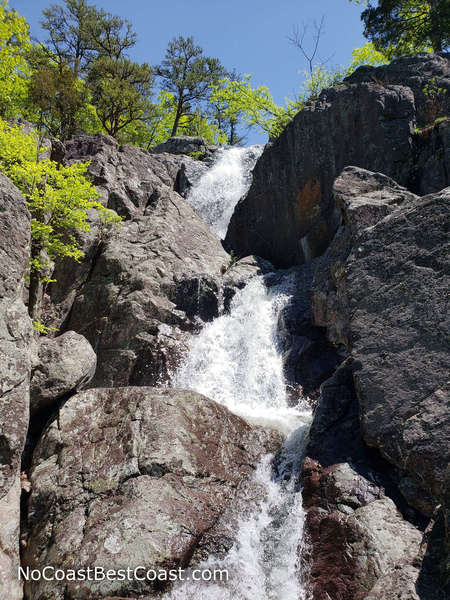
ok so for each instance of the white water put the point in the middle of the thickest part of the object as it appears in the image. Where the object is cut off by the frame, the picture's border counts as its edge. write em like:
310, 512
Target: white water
220, 189
236, 361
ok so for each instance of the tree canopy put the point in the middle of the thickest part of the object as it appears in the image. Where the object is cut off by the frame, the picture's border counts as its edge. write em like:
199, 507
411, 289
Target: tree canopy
399, 27
188, 74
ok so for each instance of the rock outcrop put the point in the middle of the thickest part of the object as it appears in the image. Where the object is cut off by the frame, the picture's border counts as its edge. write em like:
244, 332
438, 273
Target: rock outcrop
16, 336
289, 215
380, 292
360, 542
131, 477
142, 285
186, 144
383, 298
66, 364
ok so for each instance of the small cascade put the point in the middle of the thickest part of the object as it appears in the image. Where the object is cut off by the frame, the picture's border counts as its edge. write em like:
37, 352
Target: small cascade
220, 189
236, 360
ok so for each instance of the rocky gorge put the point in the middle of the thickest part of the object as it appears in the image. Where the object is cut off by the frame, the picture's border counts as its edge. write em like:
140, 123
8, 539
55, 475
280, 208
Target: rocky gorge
275, 404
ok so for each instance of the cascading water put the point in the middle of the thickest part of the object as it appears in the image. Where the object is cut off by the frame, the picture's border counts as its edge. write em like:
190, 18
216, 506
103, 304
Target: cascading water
220, 189
236, 360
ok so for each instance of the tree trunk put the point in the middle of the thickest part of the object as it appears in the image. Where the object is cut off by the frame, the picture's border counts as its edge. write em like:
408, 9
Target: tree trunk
177, 118
436, 31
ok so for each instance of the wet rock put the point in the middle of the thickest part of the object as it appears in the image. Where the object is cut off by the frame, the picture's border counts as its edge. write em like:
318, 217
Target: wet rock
133, 476
289, 215
16, 336
189, 174
66, 364
308, 358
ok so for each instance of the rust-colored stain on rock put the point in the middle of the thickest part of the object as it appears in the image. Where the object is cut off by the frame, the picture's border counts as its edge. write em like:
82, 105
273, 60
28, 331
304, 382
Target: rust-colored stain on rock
308, 200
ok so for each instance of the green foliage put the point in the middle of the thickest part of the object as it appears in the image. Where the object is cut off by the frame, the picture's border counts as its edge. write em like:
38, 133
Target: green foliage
188, 74
366, 55
58, 197
14, 69
56, 95
435, 101
121, 91
41, 328
237, 101
398, 27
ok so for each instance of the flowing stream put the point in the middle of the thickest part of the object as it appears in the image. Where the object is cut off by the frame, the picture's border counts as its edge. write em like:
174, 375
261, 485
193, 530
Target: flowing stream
236, 360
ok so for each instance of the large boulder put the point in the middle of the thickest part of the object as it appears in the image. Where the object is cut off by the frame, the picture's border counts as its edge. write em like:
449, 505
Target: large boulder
16, 335
129, 477
289, 214
358, 541
151, 281
129, 177
66, 364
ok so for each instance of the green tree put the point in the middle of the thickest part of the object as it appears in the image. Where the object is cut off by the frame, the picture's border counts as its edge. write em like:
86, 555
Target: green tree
121, 91
238, 101
109, 35
79, 33
188, 74
56, 95
67, 26
399, 27
14, 69
58, 197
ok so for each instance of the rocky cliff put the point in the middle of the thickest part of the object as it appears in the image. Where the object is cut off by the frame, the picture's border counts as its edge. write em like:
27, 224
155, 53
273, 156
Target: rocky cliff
16, 353
381, 119
120, 469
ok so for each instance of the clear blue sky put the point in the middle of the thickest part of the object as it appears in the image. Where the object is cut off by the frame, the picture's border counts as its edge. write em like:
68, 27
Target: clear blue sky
250, 36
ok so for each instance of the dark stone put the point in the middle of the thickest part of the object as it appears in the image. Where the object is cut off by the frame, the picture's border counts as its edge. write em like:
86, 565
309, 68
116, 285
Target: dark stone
185, 144
289, 215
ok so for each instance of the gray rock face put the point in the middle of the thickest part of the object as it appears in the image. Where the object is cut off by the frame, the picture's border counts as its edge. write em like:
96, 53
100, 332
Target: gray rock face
149, 283
358, 540
133, 476
143, 285
364, 198
289, 215
16, 336
66, 364
129, 178
380, 290
185, 144
384, 301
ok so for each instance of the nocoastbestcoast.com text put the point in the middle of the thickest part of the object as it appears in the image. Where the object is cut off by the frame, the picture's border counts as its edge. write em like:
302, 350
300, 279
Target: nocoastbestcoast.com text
50, 573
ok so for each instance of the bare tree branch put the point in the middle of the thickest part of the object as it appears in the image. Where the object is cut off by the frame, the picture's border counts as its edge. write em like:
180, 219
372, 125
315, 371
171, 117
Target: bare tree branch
298, 40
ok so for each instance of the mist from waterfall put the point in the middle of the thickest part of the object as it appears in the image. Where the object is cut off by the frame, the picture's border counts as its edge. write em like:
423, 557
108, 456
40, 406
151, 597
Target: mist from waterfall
218, 191
237, 361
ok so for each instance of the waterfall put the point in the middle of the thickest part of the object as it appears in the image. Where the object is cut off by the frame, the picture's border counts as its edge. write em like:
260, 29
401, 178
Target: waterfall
236, 360
216, 193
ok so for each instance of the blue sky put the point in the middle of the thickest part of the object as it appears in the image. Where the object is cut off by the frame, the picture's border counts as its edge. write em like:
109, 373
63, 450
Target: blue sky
250, 36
